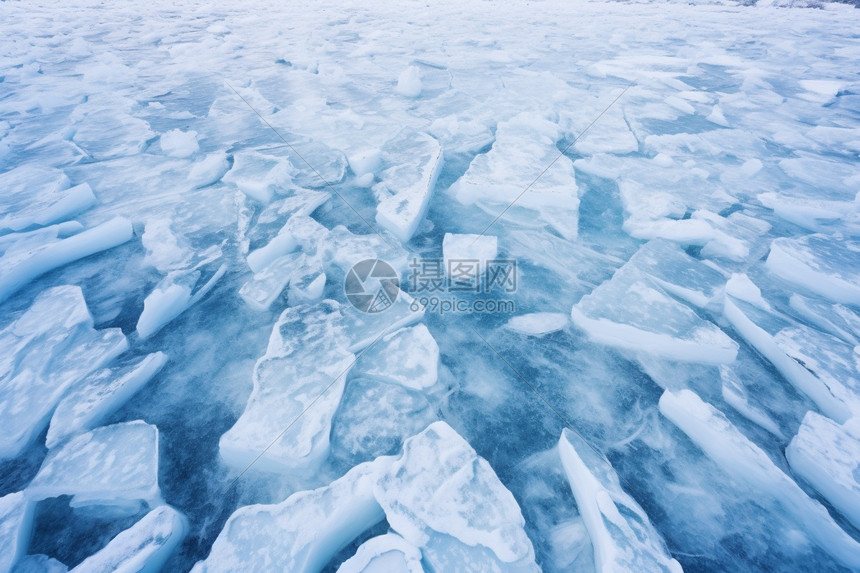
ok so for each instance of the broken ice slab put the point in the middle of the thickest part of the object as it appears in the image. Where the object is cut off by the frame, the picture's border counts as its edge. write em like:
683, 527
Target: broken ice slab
39, 564
387, 553
283, 243
440, 488
278, 537
265, 286
737, 237
309, 355
342, 249
16, 526
524, 146
630, 311
468, 249
315, 164
208, 170
678, 273
114, 466
406, 186
374, 417
659, 214
271, 220
38, 196
306, 362
826, 265
21, 268
621, 534
812, 211
408, 357
47, 350
307, 284
817, 364
109, 133
721, 441
538, 323
737, 396
25, 192
438, 495
142, 548
611, 134
826, 455
168, 250
87, 403
175, 294
837, 319
260, 176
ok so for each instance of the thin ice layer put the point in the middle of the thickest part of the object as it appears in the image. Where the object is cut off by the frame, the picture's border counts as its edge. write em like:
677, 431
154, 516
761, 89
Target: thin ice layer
408, 357
374, 417
621, 533
678, 273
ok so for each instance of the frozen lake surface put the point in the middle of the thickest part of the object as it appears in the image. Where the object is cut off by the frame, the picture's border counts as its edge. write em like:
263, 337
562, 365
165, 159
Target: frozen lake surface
458, 286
